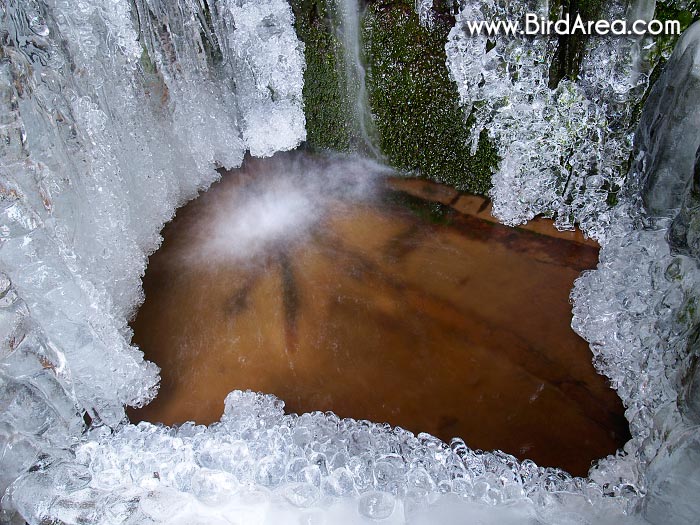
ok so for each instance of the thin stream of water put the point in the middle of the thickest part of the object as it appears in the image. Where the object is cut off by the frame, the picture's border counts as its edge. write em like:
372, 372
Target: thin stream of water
348, 29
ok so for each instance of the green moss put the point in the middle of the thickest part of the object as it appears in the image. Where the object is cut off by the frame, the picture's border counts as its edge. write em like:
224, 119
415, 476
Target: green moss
415, 104
325, 99
146, 63
666, 10
420, 126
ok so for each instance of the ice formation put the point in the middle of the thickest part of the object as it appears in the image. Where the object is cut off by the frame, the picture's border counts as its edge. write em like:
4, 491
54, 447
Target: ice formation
114, 113
639, 309
563, 149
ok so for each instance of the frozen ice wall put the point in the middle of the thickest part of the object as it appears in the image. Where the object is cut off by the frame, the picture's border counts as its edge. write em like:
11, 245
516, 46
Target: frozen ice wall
113, 114
563, 148
264, 62
639, 309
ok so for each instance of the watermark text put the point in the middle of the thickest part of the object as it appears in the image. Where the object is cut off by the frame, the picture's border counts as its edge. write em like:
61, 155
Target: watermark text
533, 24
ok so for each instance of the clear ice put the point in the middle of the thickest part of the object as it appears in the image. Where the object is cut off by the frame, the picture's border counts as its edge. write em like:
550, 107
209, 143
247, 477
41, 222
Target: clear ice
563, 149
114, 113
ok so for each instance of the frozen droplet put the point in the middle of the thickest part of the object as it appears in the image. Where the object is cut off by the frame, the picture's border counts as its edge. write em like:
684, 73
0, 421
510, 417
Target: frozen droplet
376, 505
302, 495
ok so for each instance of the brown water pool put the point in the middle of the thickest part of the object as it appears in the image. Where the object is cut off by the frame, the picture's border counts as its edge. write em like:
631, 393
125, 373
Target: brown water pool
392, 309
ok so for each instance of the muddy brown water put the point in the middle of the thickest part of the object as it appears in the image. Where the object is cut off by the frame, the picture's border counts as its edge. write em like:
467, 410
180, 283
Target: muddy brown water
446, 324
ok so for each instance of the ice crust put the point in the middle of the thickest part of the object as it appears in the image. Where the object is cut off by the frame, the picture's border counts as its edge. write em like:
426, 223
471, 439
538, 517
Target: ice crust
563, 149
260, 466
113, 115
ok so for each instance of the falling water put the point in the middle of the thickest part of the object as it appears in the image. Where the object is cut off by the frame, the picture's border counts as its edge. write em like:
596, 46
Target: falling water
348, 29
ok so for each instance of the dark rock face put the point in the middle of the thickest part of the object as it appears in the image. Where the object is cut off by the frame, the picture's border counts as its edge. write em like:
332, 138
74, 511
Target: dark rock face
690, 398
667, 137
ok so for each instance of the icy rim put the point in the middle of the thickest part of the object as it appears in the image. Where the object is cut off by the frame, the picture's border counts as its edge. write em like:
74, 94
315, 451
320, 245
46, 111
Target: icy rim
113, 115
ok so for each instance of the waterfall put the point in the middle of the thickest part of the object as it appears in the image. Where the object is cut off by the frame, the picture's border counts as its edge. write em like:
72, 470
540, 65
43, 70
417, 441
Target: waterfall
348, 29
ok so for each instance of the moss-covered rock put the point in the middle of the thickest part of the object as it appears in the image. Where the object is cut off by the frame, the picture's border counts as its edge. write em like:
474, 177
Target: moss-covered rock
415, 104
328, 122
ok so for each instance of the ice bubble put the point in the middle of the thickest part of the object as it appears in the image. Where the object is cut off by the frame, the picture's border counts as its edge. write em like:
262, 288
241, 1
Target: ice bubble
376, 505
